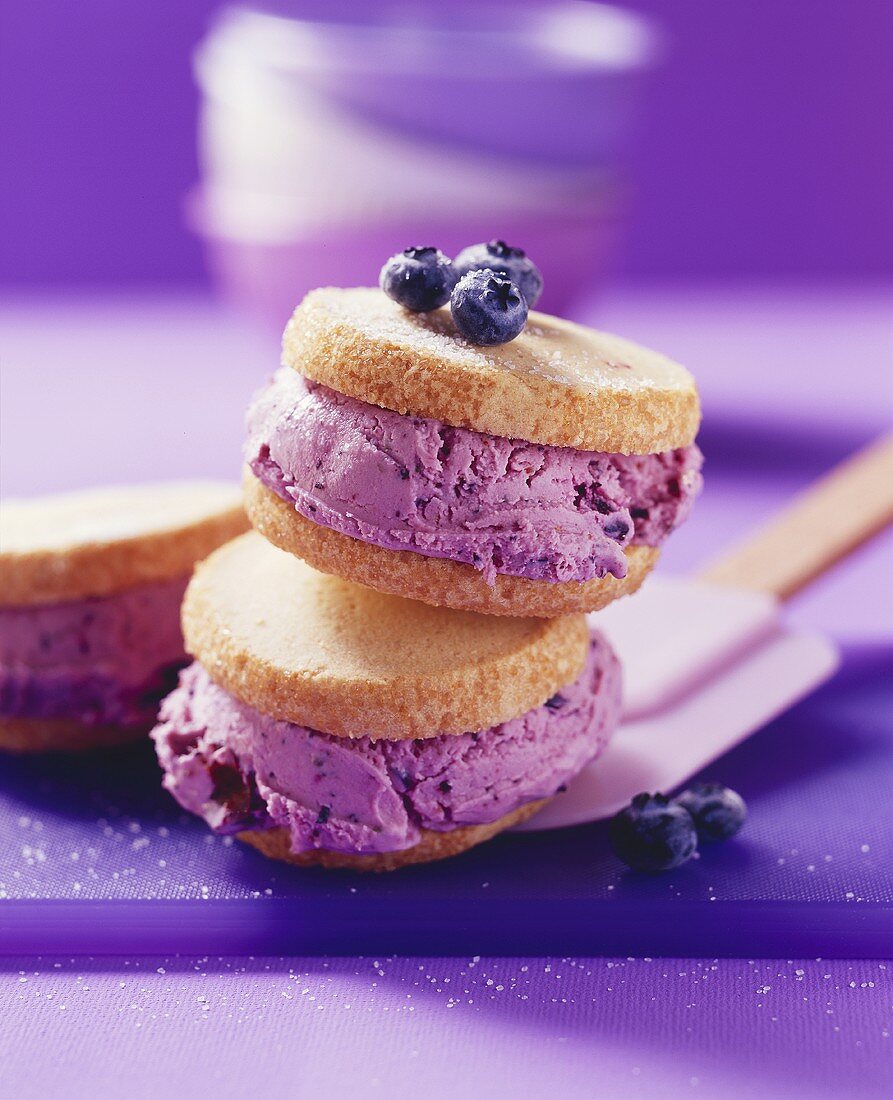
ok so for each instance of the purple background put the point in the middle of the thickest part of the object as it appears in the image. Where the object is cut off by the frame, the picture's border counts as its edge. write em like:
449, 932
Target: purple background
765, 149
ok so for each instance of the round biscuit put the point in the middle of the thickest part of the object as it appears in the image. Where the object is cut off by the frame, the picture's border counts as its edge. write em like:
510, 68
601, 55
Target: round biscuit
437, 581
100, 541
321, 652
276, 844
35, 735
557, 383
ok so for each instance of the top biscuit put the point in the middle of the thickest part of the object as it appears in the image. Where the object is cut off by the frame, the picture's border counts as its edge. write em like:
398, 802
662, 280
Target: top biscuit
557, 383
94, 543
321, 652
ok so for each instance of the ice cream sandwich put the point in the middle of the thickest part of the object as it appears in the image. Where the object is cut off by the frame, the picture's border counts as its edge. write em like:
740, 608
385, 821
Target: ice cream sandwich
539, 477
327, 723
90, 591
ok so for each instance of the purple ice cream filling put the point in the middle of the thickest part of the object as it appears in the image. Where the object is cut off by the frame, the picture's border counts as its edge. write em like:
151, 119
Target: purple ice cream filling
241, 770
102, 660
500, 505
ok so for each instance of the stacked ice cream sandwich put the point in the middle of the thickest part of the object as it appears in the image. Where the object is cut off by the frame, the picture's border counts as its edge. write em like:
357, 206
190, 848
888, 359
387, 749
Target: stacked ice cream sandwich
396, 665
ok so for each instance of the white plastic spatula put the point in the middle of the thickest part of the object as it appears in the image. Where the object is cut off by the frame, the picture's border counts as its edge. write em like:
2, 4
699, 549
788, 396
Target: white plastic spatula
708, 661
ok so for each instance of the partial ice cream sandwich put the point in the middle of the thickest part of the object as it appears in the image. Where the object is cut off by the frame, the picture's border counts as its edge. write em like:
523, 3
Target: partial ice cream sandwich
538, 477
327, 723
90, 591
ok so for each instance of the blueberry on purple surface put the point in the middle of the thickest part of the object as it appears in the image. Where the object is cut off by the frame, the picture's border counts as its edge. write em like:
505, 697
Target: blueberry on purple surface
487, 308
502, 258
420, 279
653, 834
717, 811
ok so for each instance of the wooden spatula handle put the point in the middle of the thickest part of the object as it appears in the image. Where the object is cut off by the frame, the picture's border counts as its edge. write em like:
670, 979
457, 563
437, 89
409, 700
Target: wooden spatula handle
822, 525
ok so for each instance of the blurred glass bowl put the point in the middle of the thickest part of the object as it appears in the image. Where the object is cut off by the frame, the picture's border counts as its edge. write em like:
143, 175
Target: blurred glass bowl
332, 135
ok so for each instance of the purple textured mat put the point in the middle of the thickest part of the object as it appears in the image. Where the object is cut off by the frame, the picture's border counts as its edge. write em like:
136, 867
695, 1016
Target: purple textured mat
94, 857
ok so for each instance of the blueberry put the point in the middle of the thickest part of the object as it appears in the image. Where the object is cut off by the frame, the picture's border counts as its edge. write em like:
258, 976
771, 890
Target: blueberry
419, 279
717, 812
653, 834
488, 308
514, 263
617, 528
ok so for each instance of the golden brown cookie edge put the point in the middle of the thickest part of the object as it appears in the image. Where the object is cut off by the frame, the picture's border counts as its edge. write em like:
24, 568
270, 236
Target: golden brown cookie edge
25, 736
436, 581
275, 844
517, 676
102, 569
331, 351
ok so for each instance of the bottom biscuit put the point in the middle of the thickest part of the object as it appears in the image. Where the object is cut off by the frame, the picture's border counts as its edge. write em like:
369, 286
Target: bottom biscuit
437, 581
275, 844
33, 735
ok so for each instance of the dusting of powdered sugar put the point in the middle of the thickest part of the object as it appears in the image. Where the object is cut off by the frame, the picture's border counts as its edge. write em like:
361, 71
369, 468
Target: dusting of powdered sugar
549, 348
